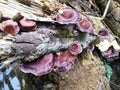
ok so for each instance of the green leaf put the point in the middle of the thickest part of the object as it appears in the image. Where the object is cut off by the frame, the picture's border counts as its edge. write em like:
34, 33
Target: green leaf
108, 71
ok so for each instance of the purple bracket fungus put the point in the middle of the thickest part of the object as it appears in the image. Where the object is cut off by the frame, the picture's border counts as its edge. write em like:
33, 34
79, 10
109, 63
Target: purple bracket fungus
85, 25
9, 27
67, 16
75, 48
111, 52
64, 62
103, 33
27, 25
40, 67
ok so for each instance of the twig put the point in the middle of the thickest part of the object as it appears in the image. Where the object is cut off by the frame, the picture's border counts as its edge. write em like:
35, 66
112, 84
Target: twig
105, 12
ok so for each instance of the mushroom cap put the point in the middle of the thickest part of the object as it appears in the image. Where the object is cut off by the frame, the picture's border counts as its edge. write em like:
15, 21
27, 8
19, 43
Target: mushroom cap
67, 16
9, 27
111, 52
27, 25
75, 48
103, 32
85, 25
39, 67
64, 61
90, 47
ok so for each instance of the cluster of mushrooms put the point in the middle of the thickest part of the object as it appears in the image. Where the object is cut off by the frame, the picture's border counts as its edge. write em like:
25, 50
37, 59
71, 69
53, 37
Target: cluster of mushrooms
13, 27
60, 61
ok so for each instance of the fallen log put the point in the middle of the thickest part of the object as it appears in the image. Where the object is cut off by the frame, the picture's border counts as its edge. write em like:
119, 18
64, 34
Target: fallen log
51, 37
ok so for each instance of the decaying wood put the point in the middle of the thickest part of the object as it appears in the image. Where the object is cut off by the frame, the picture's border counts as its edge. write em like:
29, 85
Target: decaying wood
44, 40
87, 74
47, 38
34, 11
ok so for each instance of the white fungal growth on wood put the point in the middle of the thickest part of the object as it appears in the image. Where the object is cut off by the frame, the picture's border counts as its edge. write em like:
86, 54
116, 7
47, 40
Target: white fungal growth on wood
105, 44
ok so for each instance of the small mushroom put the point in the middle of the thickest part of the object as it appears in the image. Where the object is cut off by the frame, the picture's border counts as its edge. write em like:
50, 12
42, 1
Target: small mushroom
27, 25
85, 25
67, 16
9, 27
111, 52
90, 47
103, 32
75, 48
39, 67
64, 61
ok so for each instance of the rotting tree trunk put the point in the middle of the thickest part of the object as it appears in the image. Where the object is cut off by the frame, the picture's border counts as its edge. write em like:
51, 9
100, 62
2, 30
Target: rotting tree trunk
87, 74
